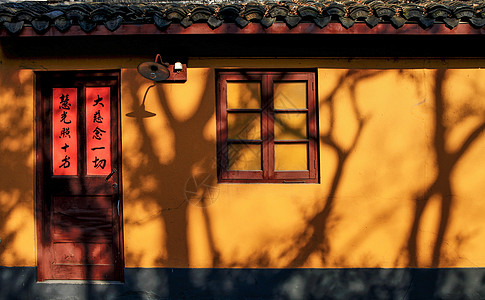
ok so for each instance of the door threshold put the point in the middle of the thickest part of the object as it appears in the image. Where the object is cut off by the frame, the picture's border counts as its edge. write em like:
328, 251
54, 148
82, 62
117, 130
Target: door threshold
64, 281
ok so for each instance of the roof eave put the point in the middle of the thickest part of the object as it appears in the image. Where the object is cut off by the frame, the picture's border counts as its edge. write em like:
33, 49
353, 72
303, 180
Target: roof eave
252, 28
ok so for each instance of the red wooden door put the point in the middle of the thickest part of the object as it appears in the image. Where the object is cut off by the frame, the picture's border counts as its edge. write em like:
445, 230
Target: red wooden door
78, 176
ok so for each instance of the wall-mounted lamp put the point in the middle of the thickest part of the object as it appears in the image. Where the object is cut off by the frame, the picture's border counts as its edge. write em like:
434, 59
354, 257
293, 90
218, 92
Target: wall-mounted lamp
159, 71
154, 70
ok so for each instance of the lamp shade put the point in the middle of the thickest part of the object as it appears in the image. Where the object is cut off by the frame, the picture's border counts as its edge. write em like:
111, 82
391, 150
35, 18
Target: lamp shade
153, 71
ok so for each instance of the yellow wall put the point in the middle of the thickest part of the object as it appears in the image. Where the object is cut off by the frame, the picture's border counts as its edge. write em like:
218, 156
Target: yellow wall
390, 166
17, 167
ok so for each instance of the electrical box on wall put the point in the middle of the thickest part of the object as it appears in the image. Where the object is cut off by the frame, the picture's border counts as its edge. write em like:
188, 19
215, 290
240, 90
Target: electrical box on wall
178, 73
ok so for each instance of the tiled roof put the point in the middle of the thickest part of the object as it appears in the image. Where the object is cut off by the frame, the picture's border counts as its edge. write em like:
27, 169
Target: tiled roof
88, 15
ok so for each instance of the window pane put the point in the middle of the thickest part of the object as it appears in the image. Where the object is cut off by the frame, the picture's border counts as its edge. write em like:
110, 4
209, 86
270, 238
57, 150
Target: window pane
290, 95
290, 157
244, 157
290, 126
245, 126
243, 95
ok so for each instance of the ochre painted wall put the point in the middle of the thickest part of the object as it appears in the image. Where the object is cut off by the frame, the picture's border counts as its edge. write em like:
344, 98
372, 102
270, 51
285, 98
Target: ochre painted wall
379, 203
17, 167
401, 167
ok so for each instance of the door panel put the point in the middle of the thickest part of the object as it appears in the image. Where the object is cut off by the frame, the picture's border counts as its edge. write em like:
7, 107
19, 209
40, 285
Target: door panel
82, 218
78, 204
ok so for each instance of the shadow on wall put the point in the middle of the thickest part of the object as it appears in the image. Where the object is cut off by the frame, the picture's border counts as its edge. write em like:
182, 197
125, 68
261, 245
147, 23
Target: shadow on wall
16, 179
446, 119
156, 177
314, 240
169, 153
17, 169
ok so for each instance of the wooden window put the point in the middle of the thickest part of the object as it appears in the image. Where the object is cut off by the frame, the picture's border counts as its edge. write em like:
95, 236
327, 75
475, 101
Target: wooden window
267, 127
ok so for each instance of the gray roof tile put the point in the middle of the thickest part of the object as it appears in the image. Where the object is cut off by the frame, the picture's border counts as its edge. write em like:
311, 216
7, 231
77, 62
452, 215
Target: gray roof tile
112, 14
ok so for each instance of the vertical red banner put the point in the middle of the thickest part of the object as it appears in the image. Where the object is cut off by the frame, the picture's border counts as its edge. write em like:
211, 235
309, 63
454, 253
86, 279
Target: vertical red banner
64, 131
98, 131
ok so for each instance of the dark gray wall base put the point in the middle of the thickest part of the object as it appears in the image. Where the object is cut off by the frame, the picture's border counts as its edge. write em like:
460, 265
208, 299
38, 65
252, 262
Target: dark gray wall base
256, 284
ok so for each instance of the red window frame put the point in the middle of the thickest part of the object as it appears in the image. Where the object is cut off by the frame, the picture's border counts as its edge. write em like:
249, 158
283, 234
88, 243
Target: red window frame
268, 174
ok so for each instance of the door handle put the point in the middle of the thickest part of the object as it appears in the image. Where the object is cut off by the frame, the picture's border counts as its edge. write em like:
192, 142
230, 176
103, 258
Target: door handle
110, 174
118, 207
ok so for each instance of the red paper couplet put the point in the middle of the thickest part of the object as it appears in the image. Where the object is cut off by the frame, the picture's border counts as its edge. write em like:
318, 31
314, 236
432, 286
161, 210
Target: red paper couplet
64, 131
98, 131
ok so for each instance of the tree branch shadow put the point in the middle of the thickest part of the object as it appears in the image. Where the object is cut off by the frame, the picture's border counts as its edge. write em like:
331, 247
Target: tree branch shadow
173, 178
314, 238
441, 187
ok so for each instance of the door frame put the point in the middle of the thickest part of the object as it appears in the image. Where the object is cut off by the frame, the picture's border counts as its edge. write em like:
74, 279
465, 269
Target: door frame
43, 78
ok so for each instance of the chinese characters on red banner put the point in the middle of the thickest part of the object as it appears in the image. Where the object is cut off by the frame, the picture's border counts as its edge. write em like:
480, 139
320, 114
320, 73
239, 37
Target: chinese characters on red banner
64, 131
98, 131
